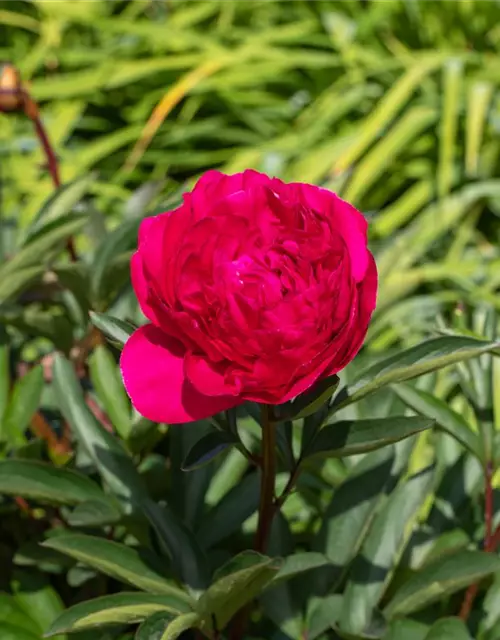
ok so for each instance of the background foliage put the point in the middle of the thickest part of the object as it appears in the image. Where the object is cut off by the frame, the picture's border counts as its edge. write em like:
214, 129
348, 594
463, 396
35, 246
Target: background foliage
392, 104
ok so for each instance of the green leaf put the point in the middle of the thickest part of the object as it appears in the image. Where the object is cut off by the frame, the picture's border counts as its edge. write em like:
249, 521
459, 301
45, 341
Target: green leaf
4, 374
60, 203
347, 518
119, 472
478, 104
23, 404
230, 593
94, 513
299, 563
208, 448
9, 631
322, 614
425, 357
122, 239
41, 481
17, 282
348, 438
35, 252
107, 381
116, 330
120, 608
446, 418
442, 578
309, 402
12, 613
452, 81
406, 629
179, 543
448, 628
230, 512
382, 547
181, 624
110, 458
118, 561
154, 627
39, 600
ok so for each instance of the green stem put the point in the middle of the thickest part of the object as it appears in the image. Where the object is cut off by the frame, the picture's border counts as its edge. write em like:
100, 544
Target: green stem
267, 487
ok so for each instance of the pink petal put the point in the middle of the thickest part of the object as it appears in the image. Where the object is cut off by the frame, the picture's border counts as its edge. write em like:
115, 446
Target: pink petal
349, 222
152, 365
206, 377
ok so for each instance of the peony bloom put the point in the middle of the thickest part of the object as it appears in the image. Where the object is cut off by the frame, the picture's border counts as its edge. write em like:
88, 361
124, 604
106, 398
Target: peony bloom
254, 290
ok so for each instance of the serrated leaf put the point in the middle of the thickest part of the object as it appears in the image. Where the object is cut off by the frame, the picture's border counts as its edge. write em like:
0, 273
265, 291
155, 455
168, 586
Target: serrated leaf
120, 608
425, 357
113, 328
347, 438
41, 481
208, 448
118, 561
444, 577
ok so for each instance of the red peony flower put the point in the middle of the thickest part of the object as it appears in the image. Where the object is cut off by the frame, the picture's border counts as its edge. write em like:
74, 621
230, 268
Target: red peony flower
254, 288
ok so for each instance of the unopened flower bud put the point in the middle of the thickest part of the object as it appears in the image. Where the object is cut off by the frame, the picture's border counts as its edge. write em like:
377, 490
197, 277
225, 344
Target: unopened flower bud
11, 95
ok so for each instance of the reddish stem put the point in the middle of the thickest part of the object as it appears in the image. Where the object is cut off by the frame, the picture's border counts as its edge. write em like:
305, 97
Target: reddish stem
491, 540
31, 110
266, 507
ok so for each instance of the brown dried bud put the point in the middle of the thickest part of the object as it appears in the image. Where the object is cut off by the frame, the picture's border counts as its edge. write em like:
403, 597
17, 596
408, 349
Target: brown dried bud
11, 90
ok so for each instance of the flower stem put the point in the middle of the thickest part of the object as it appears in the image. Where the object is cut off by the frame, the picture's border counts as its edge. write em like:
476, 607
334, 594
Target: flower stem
31, 110
266, 506
490, 539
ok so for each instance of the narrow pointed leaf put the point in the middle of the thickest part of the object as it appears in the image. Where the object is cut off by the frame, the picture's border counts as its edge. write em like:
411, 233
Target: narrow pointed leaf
230, 593
309, 402
118, 331
105, 376
446, 418
208, 448
118, 561
40, 481
23, 404
428, 356
120, 608
181, 624
383, 545
347, 438
154, 627
441, 578
448, 628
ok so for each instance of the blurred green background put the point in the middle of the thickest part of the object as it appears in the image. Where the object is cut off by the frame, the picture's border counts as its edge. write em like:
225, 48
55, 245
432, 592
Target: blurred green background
395, 105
